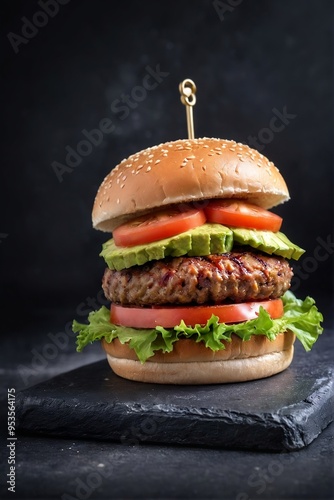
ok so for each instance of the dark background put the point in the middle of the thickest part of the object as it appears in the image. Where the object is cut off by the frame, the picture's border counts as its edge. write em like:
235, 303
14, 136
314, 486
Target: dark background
250, 57
246, 60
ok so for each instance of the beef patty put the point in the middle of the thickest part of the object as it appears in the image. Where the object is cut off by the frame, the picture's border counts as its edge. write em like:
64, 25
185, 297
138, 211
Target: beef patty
234, 276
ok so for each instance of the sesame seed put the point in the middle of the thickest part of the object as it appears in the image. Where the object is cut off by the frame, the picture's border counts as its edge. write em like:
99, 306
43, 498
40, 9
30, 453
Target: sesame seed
122, 186
157, 161
148, 169
117, 200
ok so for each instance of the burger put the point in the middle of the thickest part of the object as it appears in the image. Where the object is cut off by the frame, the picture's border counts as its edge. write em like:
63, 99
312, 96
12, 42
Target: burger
197, 268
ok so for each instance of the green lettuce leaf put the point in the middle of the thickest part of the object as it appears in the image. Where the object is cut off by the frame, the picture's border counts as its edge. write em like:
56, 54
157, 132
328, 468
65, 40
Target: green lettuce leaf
301, 317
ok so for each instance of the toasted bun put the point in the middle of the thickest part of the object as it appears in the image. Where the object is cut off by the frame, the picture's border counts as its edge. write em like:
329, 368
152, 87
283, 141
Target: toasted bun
183, 171
193, 363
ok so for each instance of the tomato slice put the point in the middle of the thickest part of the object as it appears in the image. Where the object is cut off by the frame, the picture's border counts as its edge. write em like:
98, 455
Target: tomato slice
168, 317
157, 226
239, 213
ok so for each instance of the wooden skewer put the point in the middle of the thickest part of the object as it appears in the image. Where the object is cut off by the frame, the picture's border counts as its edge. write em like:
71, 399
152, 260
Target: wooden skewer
188, 98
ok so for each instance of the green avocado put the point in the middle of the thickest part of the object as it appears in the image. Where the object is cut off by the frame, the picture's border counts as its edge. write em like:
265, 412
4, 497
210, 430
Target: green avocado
268, 242
203, 240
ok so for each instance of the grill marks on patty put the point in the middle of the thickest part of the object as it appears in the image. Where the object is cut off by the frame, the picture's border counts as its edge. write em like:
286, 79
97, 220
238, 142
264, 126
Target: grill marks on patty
234, 276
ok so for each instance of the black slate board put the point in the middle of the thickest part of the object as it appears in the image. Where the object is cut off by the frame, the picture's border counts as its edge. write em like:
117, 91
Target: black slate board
281, 413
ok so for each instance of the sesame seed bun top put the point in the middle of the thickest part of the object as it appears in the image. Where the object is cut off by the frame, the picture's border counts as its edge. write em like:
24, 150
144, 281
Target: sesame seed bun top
186, 170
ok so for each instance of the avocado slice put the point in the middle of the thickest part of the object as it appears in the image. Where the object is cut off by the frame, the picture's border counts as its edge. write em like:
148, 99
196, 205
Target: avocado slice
203, 240
268, 242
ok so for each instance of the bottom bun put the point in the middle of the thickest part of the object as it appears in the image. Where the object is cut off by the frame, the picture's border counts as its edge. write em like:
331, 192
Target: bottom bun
209, 371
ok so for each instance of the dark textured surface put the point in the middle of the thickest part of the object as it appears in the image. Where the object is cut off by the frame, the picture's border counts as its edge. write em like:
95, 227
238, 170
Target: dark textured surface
50, 468
283, 412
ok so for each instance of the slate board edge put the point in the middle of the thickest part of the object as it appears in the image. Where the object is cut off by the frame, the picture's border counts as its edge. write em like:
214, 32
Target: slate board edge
314, 418
283, 435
